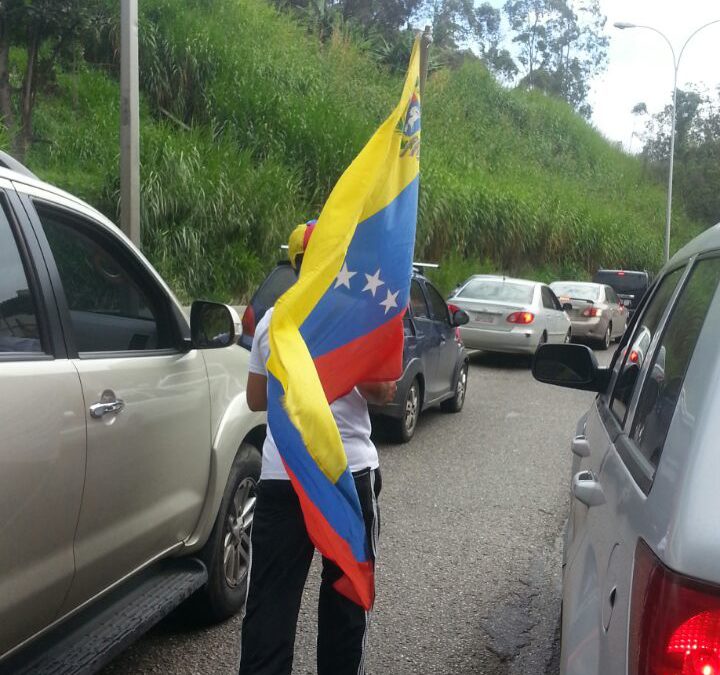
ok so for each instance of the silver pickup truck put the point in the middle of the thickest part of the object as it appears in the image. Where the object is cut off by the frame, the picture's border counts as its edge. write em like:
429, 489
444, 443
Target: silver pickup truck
128, 455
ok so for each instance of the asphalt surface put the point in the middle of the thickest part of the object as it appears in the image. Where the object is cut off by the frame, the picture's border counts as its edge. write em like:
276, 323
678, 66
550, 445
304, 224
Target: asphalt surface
468, 575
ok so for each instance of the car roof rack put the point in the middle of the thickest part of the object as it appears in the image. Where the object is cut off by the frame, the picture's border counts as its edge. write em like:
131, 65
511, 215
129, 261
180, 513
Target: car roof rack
9, 162
420, 266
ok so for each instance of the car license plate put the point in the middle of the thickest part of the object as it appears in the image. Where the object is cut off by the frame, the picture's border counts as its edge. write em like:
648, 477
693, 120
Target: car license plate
484, 317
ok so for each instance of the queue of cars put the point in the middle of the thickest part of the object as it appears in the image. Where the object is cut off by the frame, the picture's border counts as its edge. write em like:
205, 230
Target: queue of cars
517, 316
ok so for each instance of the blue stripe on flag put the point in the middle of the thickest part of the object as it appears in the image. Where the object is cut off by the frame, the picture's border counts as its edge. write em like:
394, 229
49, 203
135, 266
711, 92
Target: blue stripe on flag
343, 514
327, 327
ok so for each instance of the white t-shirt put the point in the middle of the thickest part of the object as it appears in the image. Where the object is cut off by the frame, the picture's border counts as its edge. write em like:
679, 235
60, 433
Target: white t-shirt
350, 413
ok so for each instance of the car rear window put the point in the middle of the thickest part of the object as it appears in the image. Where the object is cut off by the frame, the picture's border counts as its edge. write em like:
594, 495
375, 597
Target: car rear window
278, 281
576, 291
498, 290
623, 282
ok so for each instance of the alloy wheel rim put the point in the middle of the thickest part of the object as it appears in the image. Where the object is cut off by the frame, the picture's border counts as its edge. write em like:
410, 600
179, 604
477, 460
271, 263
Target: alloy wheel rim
238, 526
461, 385
411, 409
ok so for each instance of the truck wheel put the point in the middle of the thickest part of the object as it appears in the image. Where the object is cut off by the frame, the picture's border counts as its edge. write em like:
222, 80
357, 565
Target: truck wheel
227, 552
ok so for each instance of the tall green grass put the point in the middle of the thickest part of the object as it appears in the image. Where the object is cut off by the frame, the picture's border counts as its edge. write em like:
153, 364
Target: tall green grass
248, 121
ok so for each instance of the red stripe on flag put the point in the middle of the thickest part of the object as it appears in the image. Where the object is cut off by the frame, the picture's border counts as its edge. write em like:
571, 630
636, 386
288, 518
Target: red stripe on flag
358, 584
375, 357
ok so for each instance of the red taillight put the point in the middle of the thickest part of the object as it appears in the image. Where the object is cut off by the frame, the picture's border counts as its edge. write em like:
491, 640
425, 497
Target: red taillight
523, 318
248, 321
592, 311
634, 356
697, 642
621, 274
674, 622
452, 308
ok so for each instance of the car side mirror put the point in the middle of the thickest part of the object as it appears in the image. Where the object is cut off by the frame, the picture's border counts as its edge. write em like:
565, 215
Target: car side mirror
213, 325
567, 307
572, 366
459, 317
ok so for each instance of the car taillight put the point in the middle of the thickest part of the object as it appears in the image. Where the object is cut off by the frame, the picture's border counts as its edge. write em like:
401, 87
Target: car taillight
674, 621
523, 318
592, 311
452, 308
634, 356
248, 321
621, 274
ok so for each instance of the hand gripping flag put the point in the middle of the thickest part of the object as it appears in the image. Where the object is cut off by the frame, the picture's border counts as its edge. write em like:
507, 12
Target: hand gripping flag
342, 324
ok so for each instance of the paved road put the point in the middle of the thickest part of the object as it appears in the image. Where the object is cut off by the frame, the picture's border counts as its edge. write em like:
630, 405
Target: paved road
468, 575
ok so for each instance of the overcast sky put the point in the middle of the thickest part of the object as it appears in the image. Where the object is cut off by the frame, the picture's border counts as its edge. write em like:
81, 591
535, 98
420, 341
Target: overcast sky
640, 64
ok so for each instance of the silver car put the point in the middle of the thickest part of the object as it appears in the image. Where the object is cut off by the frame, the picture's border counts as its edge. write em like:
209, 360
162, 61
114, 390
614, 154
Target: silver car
641, 580
597, 314
510, 315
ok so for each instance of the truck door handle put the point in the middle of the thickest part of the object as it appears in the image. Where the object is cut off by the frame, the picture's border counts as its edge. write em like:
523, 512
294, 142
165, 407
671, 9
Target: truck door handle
108, 404
580, 446
587, 489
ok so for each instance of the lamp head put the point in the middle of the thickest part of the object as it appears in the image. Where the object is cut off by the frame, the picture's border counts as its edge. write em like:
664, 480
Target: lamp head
622, 25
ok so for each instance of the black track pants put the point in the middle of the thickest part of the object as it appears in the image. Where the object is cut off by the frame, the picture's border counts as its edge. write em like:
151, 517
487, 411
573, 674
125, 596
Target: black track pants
281, 557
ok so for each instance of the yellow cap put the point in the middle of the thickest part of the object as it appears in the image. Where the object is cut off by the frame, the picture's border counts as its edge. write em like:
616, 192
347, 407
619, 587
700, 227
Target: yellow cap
298, 241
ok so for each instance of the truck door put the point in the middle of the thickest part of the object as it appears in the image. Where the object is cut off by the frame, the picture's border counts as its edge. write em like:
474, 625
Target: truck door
42, 427
147, 406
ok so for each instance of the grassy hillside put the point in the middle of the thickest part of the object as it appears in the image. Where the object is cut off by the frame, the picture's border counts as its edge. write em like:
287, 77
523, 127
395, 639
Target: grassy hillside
248, 121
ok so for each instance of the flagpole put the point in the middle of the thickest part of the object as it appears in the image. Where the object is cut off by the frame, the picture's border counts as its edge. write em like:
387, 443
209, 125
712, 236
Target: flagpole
425, 42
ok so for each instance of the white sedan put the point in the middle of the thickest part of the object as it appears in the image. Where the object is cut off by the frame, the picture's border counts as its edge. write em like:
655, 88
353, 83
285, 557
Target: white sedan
510, 315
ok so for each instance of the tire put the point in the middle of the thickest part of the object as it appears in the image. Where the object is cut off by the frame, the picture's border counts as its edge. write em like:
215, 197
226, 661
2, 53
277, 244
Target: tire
605, 342
403, 428
229, 544
542, 341
455, 404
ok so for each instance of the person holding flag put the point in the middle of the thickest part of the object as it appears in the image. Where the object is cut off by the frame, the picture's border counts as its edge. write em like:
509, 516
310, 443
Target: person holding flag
331, 343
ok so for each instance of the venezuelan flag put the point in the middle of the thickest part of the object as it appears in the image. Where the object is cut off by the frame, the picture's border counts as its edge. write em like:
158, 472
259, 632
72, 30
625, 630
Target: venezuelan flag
342, 324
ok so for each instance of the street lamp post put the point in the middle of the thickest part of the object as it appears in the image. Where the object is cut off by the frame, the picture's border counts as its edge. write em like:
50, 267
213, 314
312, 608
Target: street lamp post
623, 25
129, 122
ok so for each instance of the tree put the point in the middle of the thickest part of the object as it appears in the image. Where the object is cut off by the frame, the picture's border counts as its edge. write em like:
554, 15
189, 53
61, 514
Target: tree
49, 32
384, 16
561, 49
486, 22
452, 22
697, 151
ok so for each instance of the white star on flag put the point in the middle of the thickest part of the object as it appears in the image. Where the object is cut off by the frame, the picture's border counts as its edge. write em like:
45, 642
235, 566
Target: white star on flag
373, 281
390, 301
344, 276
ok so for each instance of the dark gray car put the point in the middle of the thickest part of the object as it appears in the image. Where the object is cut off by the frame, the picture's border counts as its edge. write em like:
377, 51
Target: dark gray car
435, 365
